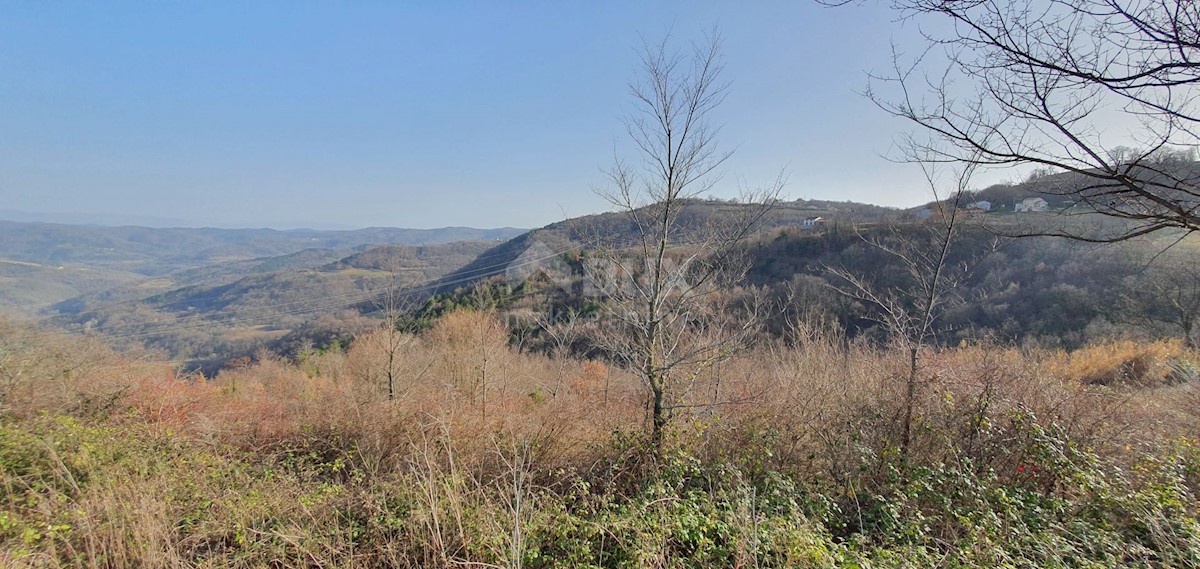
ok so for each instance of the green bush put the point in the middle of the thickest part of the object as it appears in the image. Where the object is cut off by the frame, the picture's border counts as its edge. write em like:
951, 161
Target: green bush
129, 495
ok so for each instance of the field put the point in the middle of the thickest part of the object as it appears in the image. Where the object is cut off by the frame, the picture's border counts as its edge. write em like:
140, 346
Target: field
485, 456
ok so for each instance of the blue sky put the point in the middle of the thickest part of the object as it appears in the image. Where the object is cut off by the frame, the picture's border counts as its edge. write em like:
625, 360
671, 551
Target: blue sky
421, 114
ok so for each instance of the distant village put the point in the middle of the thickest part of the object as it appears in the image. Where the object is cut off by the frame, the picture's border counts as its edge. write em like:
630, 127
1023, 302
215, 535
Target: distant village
1025, 205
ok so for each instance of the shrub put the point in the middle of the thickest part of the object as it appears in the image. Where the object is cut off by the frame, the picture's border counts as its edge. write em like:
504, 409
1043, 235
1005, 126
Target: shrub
1120, 362
785, 458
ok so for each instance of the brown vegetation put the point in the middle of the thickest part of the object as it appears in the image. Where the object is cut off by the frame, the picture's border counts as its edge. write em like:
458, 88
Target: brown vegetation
307, 463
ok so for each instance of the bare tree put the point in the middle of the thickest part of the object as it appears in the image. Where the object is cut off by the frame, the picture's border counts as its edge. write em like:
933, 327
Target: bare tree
1168, 292
393, 303
658, 283
909, 311
1060, 84
561, 334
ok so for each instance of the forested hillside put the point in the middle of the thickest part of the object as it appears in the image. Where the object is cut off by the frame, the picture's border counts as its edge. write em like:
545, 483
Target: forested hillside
1040, 291
1027, 291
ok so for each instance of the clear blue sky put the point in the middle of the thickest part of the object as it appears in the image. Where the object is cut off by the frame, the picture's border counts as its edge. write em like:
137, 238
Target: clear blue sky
412, 114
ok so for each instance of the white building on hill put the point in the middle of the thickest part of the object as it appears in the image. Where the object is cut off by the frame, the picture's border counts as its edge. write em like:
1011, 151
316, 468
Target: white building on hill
1031, 204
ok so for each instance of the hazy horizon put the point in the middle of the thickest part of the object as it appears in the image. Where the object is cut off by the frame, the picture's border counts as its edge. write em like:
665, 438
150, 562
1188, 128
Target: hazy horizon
87, 219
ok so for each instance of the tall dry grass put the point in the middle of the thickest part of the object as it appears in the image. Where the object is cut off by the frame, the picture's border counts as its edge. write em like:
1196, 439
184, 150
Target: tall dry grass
308, 463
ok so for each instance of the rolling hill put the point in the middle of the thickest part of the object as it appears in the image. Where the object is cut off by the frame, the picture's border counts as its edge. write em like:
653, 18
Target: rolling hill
44, 265
222, 302
156, 251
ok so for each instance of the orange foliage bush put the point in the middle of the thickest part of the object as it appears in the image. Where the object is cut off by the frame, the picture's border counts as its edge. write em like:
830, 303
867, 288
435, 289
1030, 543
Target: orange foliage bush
592, 376
786, 407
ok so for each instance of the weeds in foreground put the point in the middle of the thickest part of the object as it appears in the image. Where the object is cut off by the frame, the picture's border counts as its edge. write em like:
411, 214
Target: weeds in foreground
786, 459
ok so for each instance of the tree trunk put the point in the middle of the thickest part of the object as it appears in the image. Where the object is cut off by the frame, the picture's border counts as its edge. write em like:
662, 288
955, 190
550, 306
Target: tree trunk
910, 396
658, 418
391, 373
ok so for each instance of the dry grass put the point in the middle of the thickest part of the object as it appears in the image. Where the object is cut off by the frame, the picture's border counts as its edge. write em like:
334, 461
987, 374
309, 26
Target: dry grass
276, 463
463, 379
1119, 362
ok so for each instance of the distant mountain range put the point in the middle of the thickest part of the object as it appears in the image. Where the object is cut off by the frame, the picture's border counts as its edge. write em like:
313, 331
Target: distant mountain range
119, 219
157, 251
42, 264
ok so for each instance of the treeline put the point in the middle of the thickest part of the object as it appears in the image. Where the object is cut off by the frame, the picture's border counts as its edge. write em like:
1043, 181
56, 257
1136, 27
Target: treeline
1040, 291
1029, 292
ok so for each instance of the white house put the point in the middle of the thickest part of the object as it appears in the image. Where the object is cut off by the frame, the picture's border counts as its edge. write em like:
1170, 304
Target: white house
981, 205
1031, 204
812, 222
